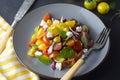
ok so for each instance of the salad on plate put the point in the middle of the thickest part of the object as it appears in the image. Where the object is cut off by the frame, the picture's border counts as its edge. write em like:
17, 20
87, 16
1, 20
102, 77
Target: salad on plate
59, 42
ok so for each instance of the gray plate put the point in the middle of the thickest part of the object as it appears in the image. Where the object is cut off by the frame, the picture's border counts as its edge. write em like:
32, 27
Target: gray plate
25, 29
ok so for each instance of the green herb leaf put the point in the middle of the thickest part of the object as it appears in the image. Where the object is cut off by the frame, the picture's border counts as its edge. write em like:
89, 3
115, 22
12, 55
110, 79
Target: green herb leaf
112, 5
66, 52
44, 59
62, 33
84, 41
34, 46
36, 29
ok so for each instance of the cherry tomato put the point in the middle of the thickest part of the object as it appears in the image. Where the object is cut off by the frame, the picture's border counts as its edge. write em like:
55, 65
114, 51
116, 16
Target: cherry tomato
54, 54
45, 52
103, 8
33, 41
78, 46
90, 4
46, 40
46, 17
70, 43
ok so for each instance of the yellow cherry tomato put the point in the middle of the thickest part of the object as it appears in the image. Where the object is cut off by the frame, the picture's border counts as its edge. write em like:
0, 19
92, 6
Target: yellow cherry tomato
31, 52
103, 8
70, 23
90, 4
42, 47
56, 39
49, 22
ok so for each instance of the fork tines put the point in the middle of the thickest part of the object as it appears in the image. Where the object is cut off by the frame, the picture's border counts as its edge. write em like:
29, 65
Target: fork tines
103, 36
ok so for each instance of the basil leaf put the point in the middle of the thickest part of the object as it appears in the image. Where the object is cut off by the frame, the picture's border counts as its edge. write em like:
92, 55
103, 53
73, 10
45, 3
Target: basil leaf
62, 33
66, 52
44, 59
84, 41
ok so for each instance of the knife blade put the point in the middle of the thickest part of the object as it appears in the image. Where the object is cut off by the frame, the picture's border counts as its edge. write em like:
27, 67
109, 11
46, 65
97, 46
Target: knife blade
19, 15
22, 11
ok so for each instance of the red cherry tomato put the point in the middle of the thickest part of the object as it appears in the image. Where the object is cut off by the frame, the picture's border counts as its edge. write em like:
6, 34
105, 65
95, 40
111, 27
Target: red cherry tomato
78, 46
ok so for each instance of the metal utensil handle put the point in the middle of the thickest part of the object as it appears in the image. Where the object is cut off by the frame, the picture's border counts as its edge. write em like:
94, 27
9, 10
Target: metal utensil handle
21, 12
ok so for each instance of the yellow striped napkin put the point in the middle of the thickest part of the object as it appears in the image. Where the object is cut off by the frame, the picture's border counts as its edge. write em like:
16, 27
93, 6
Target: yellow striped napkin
10, 67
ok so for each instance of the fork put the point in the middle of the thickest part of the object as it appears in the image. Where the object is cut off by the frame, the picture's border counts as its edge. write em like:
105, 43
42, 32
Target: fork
99, 44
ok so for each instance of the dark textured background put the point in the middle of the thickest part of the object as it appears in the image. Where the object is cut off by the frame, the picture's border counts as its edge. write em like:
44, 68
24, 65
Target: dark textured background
110, 67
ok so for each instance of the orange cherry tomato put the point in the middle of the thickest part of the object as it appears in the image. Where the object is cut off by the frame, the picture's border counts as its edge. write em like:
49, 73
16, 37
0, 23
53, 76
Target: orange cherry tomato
33, 41
54, 54
45, 52
46, 17
70, 43
41, 36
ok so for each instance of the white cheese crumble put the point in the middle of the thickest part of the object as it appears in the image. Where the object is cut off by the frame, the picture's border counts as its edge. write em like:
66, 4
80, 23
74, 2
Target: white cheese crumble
78, 28
58, 66
45, 27
69, 34
85, 50
56, 21
49, 35
38, 53
44, 24
52, 19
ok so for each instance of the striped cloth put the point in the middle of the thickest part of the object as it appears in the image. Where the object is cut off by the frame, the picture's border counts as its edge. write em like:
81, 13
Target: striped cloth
10, 67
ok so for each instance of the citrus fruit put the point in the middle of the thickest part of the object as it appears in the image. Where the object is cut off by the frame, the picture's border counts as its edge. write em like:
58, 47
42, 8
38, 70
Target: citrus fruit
90, 4
103, 8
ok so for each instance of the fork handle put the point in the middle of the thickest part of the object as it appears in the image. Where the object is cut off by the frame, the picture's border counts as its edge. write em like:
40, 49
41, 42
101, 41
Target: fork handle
68, 75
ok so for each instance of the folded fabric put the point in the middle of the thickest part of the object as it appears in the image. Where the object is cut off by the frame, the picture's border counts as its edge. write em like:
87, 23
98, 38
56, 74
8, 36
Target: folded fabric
10, 67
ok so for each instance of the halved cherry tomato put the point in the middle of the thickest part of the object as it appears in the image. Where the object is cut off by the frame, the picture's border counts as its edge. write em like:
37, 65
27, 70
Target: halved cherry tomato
45, 52
46, 17
33, 41
41, 36
54, 54
70, 43
46, 40
78, 46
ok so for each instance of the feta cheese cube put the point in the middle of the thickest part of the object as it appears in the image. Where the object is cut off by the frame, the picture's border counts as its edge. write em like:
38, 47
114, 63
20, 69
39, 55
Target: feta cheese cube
49, 35
58, 66
85, 50
42, 23
69, 34
45, 27
56, 21
38, 53
78, 28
